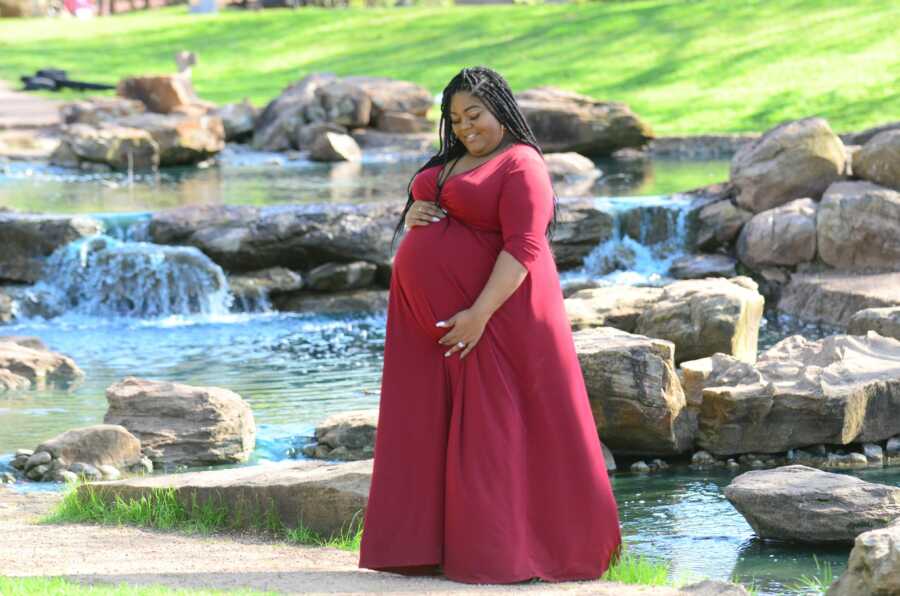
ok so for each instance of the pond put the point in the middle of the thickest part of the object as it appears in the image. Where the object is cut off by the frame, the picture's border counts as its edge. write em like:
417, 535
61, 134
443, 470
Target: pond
295, 370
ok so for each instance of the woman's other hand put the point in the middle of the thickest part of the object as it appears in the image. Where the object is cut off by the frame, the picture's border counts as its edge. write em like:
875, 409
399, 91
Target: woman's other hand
466, 329
422, 213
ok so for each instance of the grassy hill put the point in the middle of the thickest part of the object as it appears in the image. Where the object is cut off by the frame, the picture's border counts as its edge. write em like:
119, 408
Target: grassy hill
686, 66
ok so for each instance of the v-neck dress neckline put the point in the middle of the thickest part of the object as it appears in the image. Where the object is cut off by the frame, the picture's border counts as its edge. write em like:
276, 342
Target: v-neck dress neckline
484, 163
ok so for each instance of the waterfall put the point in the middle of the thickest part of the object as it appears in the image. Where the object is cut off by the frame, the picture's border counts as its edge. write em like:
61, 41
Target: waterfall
649, 234
104, 277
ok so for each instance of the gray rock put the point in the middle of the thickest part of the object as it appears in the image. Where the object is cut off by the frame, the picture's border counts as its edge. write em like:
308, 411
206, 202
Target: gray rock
182, 139
640, 467
86, 471
38, 459
879, 159
565, 121
883, 321
348, 435
874, 564
711, 587
834, 297
29, 238
608, 459
572, 173
37, 473
353, 301
793, 160
581, 226
113, 145
799, 503
893, 446
109, 472
330, 146
335, 277
237, 120
718, 224
94, 445
839, 390
181, 424
856, 226
328, 498
24, 452
784, 235
874, 454
635, 395
702, 266
40, 368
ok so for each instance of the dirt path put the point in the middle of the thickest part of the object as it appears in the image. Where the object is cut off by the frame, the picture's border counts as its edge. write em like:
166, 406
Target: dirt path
102, 554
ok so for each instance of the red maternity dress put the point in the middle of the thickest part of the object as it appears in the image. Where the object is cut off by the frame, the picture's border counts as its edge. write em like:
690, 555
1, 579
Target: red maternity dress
489, 466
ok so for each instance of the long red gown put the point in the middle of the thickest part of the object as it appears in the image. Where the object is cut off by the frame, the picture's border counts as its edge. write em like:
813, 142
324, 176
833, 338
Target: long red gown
489, 466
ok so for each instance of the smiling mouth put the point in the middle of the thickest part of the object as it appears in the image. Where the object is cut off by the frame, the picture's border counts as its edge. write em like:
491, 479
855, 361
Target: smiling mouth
471, 137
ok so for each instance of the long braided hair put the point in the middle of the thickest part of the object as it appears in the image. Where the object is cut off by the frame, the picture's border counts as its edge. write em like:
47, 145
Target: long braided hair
492, 89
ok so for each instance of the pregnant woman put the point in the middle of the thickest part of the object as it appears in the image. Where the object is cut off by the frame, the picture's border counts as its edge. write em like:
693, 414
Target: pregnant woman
487, 462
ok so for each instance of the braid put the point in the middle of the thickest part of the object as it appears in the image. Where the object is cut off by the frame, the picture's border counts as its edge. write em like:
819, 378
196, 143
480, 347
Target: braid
494, 91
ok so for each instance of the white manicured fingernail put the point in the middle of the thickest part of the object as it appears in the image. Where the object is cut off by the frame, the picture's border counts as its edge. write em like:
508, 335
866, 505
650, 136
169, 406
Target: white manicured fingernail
435, 219
439, 324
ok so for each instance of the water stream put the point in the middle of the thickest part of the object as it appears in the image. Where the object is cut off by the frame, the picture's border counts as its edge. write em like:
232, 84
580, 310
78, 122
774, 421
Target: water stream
122, 307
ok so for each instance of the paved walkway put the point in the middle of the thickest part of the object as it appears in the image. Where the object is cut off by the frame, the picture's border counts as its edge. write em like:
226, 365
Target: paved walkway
92, 554
26, 110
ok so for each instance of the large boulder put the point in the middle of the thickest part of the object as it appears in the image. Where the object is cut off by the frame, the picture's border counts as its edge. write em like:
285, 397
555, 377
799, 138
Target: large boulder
330, 146
700, 266
98, 445
118, 147
254, 288
244, 238
163, 94
857, 226
238, 120
718, 224
802, 504
39, 367
785, 235
181, 424
879, 160
338, 303
883, 321
334, 277
182, 139
327, 499
874, 565
791, 161
701, 317
27, 239
572, 173
580, 228
834, 297
565, 121
345, 436
635, 394
323, 97
838, 390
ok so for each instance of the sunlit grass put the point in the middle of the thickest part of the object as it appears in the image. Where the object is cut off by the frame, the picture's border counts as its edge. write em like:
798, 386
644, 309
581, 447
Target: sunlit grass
41, 586
819, 582
685, 67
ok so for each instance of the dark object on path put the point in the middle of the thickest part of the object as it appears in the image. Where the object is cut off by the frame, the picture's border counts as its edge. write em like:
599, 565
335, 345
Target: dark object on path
53, 79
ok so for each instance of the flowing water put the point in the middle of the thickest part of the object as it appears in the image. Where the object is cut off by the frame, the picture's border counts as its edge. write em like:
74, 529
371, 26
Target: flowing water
124, 307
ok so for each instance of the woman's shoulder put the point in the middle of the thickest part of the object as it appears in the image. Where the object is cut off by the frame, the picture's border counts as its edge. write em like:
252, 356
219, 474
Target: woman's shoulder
523, 154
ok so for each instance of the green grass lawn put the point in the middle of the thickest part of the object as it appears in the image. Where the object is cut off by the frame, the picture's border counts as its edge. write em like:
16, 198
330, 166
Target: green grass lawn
685, 66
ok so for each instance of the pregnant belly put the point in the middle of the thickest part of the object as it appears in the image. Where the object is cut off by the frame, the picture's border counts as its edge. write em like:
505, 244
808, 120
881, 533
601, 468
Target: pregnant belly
442, 267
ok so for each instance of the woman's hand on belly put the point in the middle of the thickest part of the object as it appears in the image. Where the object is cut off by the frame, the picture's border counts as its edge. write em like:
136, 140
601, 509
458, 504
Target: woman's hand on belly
467, 326
422, 213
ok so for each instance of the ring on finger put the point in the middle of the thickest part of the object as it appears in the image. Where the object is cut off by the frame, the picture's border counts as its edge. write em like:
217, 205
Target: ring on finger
461, 345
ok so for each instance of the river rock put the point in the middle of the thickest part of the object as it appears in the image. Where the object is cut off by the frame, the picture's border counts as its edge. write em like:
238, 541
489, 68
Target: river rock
391, 142
864, 136
718, 224
874, 565
581, 226
101, 444
182, 139
182, 424
802, 504
119, 147
350, 302
276, 124
35, 343
391, 95
254, 289
12, 382
237, 120
330, 146
29, 238
244, 238
307, 134
97, 111
566, 121
838, 390
572, 173
701, 266
346, 436
857, 226
785, 235
328, 498
791, 161
333, 277
883, 321
879, 160
635, 395
163, 94
41, 368
834, 297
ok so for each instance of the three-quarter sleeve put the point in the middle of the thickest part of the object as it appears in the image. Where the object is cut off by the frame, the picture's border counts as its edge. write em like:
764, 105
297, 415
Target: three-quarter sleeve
525, 208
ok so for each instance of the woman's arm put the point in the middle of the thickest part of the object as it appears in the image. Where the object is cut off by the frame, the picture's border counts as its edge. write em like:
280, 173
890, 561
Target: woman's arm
524, 209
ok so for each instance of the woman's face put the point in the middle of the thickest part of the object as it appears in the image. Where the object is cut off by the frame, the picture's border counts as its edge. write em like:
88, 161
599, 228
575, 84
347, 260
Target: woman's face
473, 124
